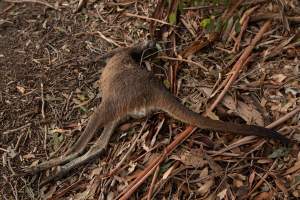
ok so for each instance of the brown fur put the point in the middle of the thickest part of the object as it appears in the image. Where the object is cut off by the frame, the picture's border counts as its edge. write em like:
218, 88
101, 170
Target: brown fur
129, 89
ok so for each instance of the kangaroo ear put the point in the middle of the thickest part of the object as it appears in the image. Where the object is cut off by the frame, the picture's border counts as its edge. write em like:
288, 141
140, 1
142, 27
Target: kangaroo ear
143, 50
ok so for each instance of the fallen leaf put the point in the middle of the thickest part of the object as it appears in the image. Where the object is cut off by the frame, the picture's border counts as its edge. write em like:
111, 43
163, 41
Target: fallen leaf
296, 167
238, 183
245, 111
34, 163
28, 156
264, 196
168, 172
205, 188
281, 186
222, 194
47, 193
11, 152
251, 178
132, 166
204, 173
21, 89
191, 158
278, 78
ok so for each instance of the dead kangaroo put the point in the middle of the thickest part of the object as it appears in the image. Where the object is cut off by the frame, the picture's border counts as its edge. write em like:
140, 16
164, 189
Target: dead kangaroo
130, 90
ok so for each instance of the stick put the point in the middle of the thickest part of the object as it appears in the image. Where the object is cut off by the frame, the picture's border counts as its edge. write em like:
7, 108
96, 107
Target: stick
147, 18
248, 139
108, 39
16, 129
80, 5
135, 140
32, 1
152, 166
238, 65
184, 60
153, 183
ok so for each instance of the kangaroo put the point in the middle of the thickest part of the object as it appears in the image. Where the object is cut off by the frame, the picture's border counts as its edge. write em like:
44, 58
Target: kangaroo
130, 90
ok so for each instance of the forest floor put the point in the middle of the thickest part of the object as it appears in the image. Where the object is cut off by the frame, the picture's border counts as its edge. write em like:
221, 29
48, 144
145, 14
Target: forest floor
48, 90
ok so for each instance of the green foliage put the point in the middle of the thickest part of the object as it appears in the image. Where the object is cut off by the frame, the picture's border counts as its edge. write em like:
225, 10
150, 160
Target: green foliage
237, 27
172, 18
167, 83
205, 23
211, 24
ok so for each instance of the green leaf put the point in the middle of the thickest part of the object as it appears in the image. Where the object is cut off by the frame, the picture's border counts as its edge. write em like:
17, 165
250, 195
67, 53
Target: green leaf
237, 27
167, 83
172, 18
205, 23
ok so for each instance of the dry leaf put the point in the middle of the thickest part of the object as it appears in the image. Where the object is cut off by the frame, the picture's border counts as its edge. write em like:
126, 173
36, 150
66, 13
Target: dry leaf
191, 158
205, 188
281, 186
238, 183
95, 172
204, 173
132, 166
222, 194
21, 89
251, 179
278, 78
34, 163
264, 196
168, 172
245, 111
296, 167
28, 156
47, 193
110, 196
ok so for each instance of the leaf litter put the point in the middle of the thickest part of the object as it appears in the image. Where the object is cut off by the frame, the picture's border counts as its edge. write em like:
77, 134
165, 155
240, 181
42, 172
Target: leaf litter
55, 46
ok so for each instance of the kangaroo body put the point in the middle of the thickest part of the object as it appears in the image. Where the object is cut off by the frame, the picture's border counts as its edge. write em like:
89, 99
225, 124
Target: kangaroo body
128, 89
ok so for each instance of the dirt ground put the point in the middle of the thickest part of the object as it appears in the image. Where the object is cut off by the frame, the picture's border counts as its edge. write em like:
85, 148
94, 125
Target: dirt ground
48, 89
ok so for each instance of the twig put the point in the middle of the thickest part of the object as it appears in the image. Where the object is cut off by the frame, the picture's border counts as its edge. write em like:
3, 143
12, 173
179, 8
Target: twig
146, 18
80, 5
249, 139
5, 150
263, 178
229, 13
45, 140
244, 21
183, 60
60, 194
178, 140
199, 44
274, 16
7, 9
238, 65
43, 101
153, 183
223, 84
18, 142
152, 166
284, 118
108, 39
16, 129
33, 1
129, 150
